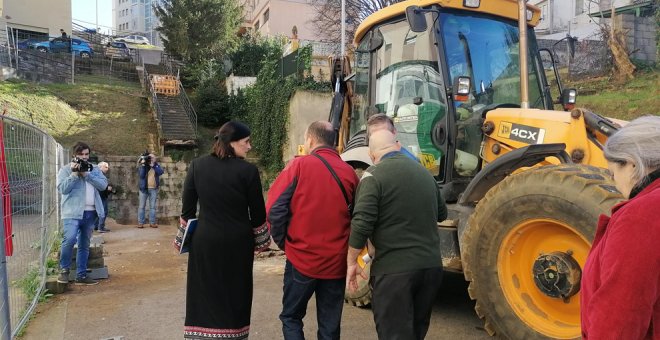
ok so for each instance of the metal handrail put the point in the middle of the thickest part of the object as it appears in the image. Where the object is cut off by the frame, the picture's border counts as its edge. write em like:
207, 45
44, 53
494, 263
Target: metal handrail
187, 106
154, 98
183, 97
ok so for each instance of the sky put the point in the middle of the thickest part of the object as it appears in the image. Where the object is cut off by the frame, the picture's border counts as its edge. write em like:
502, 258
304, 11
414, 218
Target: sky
83, 12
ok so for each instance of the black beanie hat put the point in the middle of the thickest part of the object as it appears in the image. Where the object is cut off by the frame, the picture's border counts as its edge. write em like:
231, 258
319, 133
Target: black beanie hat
232, 131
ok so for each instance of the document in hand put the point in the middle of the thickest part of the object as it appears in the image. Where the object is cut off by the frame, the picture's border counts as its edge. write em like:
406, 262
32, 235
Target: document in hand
184, 235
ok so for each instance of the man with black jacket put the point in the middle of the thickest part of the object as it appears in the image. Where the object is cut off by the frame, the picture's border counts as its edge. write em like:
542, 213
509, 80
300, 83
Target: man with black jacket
308, 214
397, 207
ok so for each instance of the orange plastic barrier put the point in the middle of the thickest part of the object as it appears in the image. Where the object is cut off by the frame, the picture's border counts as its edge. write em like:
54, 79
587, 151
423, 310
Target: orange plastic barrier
167, 85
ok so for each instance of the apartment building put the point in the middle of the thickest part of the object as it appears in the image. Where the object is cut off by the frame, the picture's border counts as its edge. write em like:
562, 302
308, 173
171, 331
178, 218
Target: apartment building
277, 17
136, 17
35, 18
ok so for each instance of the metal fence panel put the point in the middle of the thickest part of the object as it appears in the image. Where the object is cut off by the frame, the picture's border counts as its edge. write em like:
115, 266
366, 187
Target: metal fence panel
32, 159
39, 63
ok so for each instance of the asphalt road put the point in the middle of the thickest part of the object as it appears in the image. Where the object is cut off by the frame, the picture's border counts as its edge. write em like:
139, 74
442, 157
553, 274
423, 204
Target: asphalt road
144, 298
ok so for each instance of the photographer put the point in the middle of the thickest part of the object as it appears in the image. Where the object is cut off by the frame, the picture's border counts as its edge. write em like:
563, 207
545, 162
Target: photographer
149, 172
79, 183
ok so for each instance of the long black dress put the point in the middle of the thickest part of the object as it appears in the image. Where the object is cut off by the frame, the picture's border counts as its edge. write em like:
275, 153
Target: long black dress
219, 289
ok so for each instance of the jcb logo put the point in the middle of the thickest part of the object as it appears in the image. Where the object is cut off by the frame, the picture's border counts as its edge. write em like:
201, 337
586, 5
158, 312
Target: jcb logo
521, 133
505, 129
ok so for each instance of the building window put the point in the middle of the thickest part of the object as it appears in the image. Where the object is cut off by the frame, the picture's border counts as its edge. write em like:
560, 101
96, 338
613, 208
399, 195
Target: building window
579, 7
256, 26
544, 12
266, 15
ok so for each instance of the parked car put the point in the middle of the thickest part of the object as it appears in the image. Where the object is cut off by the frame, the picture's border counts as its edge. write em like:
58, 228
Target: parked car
79, 47
118, 50
28, 43
134, 39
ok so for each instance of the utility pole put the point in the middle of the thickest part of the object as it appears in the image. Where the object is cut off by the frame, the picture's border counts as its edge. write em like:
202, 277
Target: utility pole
97, 16
343, 33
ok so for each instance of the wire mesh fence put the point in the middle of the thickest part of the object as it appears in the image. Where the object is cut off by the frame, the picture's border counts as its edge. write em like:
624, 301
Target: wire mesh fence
29, 162
67, 60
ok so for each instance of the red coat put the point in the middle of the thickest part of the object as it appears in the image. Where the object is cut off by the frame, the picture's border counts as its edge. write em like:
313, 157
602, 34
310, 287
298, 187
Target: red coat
620, 292
306, 198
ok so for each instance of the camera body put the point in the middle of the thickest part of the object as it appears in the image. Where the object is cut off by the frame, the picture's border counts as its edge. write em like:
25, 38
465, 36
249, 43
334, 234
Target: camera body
145, 159
83, 165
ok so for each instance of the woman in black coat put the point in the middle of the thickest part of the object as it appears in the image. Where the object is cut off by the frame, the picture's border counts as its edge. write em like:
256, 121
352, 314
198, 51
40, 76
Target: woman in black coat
228, 190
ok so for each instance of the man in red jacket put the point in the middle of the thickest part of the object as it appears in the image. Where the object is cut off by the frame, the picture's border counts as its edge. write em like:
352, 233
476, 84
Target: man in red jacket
308, 214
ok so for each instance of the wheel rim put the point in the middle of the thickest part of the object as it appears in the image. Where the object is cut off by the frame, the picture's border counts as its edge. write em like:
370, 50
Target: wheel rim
521, 249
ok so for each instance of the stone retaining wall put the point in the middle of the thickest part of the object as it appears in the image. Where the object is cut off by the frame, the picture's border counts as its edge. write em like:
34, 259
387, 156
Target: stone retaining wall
123, 176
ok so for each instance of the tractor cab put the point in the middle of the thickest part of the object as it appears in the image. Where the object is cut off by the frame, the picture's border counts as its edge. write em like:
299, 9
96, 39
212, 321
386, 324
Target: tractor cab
416, 78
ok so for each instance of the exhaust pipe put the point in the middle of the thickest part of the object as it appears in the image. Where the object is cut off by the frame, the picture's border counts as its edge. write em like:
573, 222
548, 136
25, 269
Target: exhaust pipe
522, 44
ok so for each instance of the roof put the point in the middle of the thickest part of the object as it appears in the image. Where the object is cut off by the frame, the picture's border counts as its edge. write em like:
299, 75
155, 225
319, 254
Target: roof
642, 8
502, 8
589, 32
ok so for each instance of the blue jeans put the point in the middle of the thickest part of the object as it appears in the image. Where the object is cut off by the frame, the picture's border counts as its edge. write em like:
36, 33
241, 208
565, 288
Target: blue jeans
298, 289
100, 222
152, 194
82, 231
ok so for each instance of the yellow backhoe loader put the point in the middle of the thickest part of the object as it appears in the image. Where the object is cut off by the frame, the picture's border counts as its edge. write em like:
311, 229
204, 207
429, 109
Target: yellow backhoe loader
464, 82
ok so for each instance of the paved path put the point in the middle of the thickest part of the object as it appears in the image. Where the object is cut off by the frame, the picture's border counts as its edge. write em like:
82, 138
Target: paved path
144, 298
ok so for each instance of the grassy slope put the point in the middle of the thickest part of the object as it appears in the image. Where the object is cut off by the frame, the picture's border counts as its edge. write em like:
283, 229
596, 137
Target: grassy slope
113, 118
628, 101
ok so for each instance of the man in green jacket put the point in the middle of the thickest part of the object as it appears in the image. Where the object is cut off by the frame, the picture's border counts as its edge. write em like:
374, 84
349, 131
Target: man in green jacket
397, 207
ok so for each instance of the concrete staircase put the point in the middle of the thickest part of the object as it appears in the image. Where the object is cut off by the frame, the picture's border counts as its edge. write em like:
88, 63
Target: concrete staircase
174, 122
173, 113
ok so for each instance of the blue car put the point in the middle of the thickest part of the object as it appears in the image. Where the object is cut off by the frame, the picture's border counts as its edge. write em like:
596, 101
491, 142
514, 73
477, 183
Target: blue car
28, 43
79, 47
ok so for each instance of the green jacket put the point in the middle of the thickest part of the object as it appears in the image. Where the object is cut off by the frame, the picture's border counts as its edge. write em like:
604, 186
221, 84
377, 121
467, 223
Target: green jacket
398, 205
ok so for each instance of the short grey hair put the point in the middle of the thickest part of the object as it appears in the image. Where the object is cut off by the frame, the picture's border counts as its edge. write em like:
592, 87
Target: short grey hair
638, 143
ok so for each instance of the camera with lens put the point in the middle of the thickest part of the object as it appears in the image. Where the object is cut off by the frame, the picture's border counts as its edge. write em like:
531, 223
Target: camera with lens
145, 159
83, 165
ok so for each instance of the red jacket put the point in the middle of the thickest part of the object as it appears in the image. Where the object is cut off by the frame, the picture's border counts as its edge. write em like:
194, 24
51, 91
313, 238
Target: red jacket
620, 291
306, 198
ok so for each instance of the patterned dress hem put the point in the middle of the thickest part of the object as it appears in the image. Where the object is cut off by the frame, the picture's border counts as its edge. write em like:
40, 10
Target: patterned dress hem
193, 332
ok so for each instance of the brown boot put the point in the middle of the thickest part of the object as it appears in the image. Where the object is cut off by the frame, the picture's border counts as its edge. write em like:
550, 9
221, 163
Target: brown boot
154, 225
140, 226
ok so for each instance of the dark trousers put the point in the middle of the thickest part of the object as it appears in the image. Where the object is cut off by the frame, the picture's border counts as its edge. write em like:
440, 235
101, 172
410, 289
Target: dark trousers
298, 289
402, 303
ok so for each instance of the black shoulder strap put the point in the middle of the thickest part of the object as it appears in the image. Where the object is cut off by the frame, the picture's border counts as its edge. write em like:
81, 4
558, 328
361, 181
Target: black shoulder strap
334, 174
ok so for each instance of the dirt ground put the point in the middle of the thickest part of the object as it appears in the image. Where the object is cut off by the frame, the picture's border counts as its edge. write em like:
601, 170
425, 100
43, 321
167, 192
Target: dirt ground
144, 298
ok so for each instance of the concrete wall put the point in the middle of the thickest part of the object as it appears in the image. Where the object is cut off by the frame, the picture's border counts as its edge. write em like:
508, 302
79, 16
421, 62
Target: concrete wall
305, 108
234, 83
640, 36
46, 16
123, 175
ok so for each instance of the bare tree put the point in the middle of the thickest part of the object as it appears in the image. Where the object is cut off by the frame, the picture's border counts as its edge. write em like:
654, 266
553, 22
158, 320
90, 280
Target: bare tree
616, 41
327, 22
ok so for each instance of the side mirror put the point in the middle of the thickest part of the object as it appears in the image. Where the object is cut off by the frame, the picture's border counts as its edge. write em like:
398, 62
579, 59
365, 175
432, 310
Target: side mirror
568, 98
416, 19
461, 88
376, 40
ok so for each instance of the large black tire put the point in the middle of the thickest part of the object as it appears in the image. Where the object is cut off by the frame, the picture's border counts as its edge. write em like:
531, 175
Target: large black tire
547, 210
